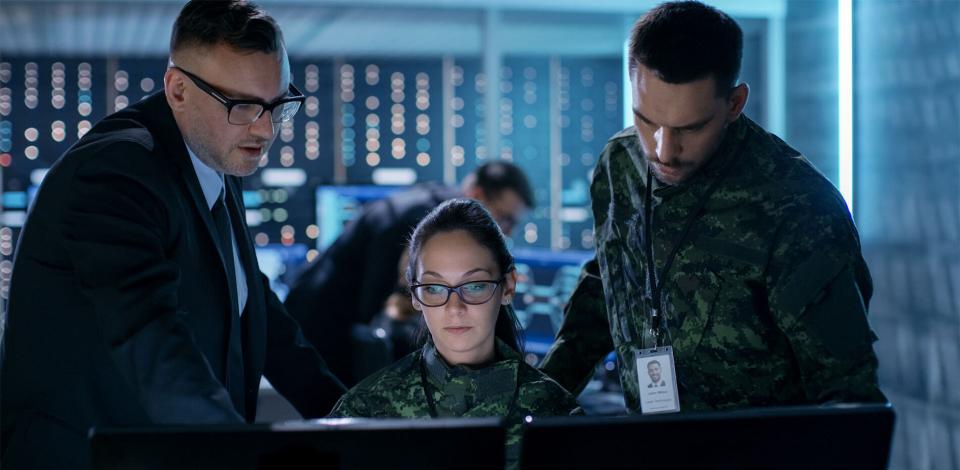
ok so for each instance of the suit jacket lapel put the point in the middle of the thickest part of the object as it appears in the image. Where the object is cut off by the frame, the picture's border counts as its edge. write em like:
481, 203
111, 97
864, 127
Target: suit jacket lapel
169, 136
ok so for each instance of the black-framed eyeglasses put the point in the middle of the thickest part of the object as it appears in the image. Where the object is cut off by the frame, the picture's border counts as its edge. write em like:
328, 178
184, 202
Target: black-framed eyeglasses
243, 112
471, 293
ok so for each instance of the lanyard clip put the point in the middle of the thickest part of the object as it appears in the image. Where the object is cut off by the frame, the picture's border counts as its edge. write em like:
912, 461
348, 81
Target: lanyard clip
655, 326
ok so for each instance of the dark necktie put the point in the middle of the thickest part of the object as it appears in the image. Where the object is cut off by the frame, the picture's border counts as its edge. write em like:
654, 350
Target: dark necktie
235, 377
225, 238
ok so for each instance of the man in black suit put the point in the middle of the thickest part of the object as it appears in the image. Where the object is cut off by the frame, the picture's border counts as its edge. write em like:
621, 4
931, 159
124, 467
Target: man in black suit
136, 298
350, 282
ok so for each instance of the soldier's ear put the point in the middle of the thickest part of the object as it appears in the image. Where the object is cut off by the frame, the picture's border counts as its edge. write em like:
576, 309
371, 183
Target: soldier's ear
416, 304
737, 101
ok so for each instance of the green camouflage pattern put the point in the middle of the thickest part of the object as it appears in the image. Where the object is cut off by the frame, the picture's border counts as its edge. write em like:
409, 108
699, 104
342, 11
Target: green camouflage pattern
766, 301
509, 388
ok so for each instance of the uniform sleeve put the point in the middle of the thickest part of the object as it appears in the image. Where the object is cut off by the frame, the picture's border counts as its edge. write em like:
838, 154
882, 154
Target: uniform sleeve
114, 231
391, 392
584, 336
293, 366
568, 405
349, 407
818, 292
541, 395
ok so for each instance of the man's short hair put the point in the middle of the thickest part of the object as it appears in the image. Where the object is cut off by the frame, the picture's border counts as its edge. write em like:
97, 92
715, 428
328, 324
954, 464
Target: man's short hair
236, 23
686, 41
652, 363
495, 177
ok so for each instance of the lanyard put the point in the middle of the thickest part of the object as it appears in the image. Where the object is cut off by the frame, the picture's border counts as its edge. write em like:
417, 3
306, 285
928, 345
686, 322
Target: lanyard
656, 282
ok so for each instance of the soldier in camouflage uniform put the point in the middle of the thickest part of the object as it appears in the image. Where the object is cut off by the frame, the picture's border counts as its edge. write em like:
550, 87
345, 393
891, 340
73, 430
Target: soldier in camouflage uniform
508, 387
762, 288
470, 364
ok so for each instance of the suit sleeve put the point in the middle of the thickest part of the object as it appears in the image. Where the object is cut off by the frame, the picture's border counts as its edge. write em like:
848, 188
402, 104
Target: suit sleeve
818, 292
293, 366
115, 229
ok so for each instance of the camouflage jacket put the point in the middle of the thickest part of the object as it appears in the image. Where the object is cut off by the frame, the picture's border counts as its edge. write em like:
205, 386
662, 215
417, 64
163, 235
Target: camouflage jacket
509, 387
766, 300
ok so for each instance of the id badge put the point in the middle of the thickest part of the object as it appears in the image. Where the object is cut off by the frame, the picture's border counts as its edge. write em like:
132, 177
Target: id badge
657, 381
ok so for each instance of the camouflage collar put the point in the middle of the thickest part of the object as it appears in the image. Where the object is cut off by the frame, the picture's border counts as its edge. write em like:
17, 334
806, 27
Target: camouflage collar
439, 369
462, 388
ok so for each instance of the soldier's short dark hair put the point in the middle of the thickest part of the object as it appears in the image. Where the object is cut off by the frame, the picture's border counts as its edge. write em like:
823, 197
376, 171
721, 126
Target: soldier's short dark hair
686, 41
236, 23
470, 216
495, 177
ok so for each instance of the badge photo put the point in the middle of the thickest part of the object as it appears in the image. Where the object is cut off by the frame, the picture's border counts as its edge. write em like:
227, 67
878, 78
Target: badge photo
657, 381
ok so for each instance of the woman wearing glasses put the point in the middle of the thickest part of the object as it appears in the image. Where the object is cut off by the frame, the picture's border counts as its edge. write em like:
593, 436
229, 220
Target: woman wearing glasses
462, 280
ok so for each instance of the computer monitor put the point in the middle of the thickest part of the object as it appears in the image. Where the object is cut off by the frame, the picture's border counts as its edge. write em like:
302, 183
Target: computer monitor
279, 262
805, 437
328, 444
338, 205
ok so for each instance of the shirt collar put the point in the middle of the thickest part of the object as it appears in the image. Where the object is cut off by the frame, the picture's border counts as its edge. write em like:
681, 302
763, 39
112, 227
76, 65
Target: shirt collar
211, 181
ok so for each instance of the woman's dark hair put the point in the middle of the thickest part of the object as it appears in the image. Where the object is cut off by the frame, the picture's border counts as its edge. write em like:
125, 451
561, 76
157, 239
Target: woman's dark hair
239, 24
471, 217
